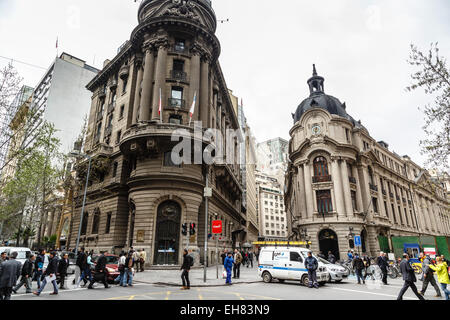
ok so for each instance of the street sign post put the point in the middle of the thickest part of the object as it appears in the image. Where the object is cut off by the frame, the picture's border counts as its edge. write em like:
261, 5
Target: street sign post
357, 241
216, 230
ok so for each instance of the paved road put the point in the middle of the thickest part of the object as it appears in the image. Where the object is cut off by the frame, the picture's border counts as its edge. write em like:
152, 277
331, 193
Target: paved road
348, 290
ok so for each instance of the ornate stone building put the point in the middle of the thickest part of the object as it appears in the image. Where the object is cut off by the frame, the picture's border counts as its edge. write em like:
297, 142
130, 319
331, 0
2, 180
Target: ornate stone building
341, 183
137, 195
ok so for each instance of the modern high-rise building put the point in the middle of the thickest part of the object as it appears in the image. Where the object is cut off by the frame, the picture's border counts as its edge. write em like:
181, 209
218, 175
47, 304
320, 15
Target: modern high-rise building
138, 195
272, 158
63, 97
273, 223
343, 183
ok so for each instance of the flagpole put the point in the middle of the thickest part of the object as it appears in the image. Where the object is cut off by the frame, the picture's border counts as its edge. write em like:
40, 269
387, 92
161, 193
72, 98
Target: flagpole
191, 112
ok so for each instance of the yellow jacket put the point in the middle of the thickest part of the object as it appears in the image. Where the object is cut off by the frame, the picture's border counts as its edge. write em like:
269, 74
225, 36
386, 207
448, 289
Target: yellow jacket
442, 272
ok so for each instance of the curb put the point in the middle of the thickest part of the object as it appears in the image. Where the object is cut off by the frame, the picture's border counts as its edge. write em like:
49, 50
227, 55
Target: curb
171, 284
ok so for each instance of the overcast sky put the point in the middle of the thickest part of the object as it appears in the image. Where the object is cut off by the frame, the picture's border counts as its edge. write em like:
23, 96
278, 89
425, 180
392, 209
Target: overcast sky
268, 48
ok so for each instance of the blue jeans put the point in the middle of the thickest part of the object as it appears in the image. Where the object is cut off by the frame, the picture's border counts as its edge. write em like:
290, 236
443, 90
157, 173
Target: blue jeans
119, 278
228, 275
446, 291
127, 277
86, 273
37, 275
44, 283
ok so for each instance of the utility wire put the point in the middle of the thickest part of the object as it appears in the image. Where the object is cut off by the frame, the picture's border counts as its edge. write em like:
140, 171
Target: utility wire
28, 64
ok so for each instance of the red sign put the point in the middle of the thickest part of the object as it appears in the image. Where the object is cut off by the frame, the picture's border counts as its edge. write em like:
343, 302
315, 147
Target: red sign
217, 227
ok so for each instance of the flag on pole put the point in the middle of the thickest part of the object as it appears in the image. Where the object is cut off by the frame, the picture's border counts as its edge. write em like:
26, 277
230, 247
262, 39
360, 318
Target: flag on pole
160, 104
191, 112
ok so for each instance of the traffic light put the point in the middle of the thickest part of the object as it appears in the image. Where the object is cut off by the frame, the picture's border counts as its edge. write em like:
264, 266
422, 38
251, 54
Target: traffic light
192, 229
184, 229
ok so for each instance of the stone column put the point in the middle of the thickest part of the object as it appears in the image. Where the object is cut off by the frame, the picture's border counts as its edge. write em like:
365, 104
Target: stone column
364, 185
389, 214
204, 92
194, 87
346, 188
308, 191
425, 213
147, 79
380, 196
338, 190
359, 201
160, 80
302, 191
432, 216
137, 92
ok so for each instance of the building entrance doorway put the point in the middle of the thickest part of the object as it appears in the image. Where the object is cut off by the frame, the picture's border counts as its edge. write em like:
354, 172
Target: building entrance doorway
167, 238
328, 241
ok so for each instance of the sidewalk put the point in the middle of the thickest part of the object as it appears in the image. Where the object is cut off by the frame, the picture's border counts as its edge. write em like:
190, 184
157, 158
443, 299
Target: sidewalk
173, 277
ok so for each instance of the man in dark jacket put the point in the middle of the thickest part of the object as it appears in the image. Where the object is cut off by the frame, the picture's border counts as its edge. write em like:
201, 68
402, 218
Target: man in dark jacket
83, 265
39, 267
358, 266
9, 273
50, 275
3, 257
384, 265
311, 264
27, 274
186, 267
428, 275
409, 277
62, 270
100, 272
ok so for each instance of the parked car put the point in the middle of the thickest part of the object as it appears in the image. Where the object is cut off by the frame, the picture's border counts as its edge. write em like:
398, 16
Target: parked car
335, 272
22, 253
287, 263
112, 266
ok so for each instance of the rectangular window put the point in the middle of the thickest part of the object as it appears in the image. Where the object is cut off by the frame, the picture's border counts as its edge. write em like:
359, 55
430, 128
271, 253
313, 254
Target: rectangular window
385, 208
324, 204
354, 203
122, 111
393, 213
125, 84
175, 119
119, 135
179, 45
115, 166
400, 214
375, 204
176, 97
108, 223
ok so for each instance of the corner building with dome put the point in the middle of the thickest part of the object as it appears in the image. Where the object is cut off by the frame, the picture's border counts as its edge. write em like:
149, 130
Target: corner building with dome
137, 197
343, 183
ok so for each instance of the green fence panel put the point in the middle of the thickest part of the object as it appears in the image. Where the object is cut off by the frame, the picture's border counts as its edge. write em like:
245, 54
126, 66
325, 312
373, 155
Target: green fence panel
442, 247
398, 244
384, 244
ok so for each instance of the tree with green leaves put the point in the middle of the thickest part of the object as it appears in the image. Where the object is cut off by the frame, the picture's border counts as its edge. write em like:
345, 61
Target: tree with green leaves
433, 76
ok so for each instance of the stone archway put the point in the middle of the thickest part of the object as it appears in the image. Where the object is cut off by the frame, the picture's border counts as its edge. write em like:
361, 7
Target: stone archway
328, 241
167, 236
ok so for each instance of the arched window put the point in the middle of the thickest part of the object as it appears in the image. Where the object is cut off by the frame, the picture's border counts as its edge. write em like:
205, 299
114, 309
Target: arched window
96, 221
321, 173
84, 224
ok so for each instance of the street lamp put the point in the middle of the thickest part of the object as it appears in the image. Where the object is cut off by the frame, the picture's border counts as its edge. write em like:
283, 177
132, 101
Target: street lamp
78, 154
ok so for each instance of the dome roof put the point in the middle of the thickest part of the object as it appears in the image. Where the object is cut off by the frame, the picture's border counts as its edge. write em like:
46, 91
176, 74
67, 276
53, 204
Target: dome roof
318, 99
323, 101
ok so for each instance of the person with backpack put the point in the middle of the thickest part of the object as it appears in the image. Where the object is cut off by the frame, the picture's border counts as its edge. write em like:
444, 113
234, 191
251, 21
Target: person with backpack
39, 267
50, 275
188, 262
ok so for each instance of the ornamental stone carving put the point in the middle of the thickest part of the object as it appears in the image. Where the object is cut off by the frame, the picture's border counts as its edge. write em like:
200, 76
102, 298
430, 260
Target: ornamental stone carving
182, 8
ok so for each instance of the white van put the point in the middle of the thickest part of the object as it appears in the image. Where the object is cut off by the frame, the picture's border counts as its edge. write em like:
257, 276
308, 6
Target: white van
22, 253
287, 263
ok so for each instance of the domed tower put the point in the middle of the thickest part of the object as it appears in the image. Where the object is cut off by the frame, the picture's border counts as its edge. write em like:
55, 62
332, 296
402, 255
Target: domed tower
327, 183
168, 68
